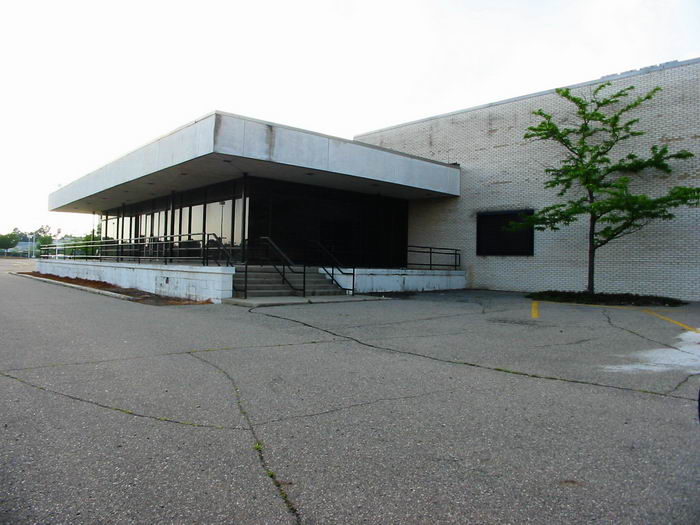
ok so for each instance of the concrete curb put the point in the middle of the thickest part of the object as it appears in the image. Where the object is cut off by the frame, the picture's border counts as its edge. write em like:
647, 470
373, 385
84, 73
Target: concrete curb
79, 287
288, 301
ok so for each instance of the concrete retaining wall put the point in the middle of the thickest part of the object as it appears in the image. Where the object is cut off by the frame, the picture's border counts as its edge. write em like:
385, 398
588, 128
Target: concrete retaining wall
401, 280
198, 283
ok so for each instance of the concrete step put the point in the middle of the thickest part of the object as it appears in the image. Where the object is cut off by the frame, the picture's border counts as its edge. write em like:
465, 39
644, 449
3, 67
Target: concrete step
267, 275
288, 293
266, 281
278, 280
264, 286
251, 283
274, 286
267, 293
322, 291
271, 269
309, 282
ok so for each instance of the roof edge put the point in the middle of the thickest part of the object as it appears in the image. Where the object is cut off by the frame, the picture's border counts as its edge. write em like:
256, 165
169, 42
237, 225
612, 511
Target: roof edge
616, 76
134, 150
332, 137
216, 113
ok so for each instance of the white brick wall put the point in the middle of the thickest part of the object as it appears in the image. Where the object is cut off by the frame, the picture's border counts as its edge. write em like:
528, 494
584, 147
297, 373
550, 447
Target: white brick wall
501, 170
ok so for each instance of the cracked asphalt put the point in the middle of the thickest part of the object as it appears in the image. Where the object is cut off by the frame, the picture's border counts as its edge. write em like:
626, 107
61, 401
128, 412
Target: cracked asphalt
440, 408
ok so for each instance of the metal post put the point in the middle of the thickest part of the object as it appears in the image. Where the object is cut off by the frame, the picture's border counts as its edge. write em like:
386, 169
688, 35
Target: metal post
204, 217
244, 225
92, 236
245, 282
172, 225
232, 224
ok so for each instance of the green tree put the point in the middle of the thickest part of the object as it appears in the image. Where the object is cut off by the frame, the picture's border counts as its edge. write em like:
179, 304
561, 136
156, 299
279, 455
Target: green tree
21, 236
43, 240
8, 241
598, 187
43, 231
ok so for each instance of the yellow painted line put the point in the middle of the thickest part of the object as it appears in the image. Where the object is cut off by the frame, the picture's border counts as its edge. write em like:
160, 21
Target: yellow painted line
535, 309
592, 305
671, 321
646, 311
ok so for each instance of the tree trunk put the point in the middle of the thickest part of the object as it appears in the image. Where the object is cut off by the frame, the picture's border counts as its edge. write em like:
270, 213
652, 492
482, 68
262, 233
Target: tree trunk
591, 255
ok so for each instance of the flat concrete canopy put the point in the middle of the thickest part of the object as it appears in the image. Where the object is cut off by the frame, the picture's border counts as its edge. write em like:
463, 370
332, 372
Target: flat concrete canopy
222, 146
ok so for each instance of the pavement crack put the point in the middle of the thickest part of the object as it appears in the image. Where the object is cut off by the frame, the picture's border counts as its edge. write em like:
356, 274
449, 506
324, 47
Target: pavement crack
681, 383
470, 364
577, 342
118, 409
351, 406
410, 320
423, 336
258, 445
165, 354
606, 314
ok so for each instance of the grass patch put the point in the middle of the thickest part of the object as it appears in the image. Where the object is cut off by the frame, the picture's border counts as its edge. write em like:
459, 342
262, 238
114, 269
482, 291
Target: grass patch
616, 299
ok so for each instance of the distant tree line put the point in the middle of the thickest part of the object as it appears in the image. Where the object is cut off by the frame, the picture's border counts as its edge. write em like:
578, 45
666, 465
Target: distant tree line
41, 236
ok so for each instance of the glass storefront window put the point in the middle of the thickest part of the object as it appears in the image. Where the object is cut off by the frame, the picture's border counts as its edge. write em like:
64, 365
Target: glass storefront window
159, 224
219, 219
213, 218
197, 219
238, 221
176, 222
111, 230
185, 220
226, 209
125, 232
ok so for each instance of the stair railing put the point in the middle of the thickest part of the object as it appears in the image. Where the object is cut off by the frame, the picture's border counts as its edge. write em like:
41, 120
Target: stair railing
336, 266
286, 266
220, 249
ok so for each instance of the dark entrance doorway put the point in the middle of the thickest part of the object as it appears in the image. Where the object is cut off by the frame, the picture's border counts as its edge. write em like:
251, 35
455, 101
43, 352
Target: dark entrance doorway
360, 230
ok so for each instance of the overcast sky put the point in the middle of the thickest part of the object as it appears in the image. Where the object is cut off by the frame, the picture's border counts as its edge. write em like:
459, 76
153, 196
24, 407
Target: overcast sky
86, 82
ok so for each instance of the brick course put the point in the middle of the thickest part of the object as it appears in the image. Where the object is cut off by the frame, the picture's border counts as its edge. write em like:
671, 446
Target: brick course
500, 170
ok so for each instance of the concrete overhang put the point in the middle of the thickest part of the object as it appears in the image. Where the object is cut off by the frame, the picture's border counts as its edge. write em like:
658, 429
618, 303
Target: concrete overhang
222, 146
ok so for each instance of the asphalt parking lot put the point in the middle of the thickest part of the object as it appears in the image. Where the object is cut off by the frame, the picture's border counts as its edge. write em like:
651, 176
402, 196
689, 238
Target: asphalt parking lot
440, 408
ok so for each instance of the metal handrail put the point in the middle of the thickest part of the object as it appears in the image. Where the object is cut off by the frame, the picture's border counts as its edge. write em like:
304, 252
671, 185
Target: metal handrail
432, 251
221, 248
168, 248
286, 263
337, 265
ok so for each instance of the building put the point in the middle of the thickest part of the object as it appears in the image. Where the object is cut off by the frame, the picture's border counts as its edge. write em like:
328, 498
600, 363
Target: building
183, 214
415, 206
502, 172
24, 247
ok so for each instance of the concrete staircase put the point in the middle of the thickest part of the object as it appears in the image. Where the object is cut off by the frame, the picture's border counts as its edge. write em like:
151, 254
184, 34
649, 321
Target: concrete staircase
265, 281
